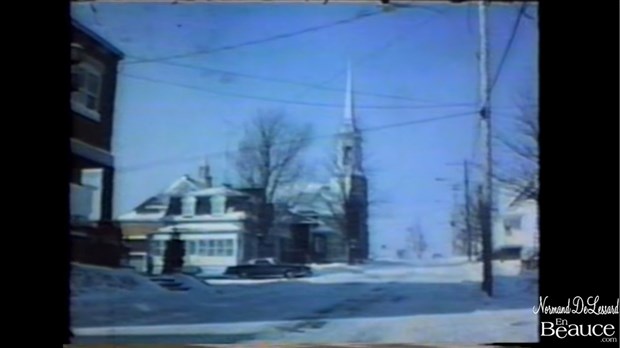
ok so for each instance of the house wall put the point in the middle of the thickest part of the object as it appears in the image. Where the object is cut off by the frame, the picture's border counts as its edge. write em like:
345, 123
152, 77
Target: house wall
97, 133
204, 261
91, 146
140, 229
527, 235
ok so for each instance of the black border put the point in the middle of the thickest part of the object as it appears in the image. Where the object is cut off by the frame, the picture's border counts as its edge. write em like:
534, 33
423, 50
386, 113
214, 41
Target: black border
579, 228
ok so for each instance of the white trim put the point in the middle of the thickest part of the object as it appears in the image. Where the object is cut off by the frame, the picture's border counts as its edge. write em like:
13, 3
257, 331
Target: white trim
136, 237
93, 153
84, 111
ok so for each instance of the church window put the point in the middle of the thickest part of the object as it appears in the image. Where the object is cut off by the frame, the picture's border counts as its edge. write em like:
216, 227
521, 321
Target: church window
347, 155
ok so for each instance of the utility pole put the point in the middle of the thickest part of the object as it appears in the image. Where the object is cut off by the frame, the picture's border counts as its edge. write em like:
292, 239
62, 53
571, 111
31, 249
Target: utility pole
487, 187
467, 211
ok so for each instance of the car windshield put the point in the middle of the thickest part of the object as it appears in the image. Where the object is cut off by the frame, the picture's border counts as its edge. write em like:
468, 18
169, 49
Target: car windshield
262, 262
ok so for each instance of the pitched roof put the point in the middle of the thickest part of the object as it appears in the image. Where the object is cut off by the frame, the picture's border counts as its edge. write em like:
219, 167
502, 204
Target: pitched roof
154, 207
222, 190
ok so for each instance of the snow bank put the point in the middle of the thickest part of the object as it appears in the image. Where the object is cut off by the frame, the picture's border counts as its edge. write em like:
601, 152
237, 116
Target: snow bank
95, 280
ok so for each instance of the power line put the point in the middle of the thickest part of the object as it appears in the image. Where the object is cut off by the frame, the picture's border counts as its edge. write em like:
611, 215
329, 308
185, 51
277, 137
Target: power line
326, 136
303, 84
513, 34
263, 40
320, 86
294, 102
372, 53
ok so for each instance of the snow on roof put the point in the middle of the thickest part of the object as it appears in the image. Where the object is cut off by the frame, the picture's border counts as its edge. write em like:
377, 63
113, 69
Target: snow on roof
233, 215
135, 216
223, 190
204, 227
183, 185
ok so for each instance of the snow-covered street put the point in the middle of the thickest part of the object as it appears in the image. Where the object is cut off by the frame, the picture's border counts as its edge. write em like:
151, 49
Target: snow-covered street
386, 302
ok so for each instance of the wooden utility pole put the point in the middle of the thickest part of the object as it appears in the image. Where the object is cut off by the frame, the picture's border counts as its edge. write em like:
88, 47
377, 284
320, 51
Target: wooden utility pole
485, 123
467, 211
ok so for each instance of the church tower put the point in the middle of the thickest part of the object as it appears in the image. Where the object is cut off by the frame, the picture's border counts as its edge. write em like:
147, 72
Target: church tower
351, 174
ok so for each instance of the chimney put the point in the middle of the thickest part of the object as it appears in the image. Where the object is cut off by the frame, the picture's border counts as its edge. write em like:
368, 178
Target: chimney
205, 174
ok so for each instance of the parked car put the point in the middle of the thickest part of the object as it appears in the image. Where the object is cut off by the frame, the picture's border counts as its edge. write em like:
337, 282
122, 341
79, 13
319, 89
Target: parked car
268, 268
504, 254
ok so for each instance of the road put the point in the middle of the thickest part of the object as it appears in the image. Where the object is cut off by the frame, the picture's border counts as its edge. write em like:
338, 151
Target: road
299, 307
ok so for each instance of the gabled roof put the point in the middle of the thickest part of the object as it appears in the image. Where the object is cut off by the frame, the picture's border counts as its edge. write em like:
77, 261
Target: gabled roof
184, 185
154, 207
103, 42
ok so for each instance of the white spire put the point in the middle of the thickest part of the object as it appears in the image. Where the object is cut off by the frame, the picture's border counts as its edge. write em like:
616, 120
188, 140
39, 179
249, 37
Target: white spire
349, 116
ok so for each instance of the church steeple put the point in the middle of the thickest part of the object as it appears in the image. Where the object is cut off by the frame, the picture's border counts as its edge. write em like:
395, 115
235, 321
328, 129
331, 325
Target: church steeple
350, 140
349, 111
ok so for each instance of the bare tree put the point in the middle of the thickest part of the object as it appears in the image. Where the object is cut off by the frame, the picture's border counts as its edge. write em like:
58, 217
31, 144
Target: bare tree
270, 156
519, 170
462, 240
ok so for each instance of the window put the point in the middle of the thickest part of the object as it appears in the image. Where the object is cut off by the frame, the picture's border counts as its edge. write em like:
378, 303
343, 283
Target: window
203, 206
219, 247
347, 155
174, 208
512, 223
262, 262
202, 248
158, 247
86, 80
191, 247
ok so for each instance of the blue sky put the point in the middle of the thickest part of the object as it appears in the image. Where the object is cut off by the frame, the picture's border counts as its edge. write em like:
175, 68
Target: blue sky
170, 117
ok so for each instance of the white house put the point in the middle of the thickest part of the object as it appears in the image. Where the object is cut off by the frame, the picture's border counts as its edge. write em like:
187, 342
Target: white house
149, 216
217, 225
517, 223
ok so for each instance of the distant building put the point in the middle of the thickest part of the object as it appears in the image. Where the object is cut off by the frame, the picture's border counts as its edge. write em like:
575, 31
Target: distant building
94, 238
517, 224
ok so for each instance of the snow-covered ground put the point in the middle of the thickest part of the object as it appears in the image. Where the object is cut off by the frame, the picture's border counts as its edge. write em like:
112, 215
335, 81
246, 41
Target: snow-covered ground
386, 302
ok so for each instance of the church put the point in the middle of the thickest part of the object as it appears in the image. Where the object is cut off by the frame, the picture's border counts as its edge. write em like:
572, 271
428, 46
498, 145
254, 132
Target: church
313, 222
329, 222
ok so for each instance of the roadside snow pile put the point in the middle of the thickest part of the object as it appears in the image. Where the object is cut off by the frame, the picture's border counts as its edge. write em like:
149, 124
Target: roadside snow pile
91, 280
448, 261
324, 268
191, 282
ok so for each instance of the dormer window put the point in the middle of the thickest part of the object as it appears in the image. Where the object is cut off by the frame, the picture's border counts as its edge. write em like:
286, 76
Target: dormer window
86, 79
174, 208
189, 206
